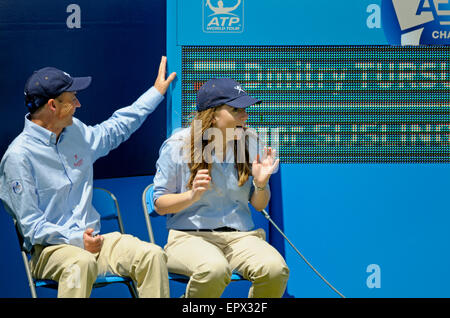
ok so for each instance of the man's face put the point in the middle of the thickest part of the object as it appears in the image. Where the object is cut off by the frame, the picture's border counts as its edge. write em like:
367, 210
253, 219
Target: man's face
66, 104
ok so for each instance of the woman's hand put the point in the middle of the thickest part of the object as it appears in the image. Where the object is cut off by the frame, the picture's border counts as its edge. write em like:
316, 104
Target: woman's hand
172, 203
263, 169
200, 184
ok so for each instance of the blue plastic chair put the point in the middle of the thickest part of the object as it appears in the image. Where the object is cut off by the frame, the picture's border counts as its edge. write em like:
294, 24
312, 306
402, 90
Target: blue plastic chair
107, 206
160, 237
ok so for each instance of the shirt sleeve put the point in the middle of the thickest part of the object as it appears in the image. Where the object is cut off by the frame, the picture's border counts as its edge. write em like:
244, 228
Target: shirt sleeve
19, 195
167, 175
108, 135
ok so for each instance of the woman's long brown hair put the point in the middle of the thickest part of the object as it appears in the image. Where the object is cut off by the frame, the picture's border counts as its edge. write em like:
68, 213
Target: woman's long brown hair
195, 164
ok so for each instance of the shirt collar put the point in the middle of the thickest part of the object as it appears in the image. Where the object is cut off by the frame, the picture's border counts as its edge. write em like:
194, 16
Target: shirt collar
38, 132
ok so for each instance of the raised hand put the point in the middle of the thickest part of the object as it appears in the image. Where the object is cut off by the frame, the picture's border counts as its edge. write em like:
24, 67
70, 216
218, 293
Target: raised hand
263, 169
161, 83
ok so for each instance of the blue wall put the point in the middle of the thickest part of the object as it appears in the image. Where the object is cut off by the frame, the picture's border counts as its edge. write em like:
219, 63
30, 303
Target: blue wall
119, 44
344, 218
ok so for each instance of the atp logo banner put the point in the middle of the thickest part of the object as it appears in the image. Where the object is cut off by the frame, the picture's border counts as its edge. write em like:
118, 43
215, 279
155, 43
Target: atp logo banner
416, 22
223, 16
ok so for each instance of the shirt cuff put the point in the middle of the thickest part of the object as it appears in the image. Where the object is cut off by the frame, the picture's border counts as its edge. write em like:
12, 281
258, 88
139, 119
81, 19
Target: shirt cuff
76, 239
150, 98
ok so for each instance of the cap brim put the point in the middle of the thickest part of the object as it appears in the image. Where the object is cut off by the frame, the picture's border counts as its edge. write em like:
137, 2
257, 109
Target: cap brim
243, 101
79, 83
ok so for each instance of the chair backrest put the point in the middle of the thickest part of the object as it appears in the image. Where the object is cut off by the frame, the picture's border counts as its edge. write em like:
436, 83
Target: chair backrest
153, 220
16, 227
24, 253
148, 207
107, 206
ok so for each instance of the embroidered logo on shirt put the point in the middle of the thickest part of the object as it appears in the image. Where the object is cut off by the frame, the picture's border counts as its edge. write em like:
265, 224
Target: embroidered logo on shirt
17, 187
77, 163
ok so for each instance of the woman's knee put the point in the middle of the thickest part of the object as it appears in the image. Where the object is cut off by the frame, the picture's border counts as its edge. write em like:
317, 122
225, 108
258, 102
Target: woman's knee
214, 271
273, 269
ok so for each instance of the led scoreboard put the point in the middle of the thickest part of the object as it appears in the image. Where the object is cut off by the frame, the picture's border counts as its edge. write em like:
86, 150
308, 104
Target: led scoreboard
336, 103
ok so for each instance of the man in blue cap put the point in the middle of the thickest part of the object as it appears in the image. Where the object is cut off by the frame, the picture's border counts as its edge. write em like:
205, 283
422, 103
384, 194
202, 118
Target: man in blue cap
46, 181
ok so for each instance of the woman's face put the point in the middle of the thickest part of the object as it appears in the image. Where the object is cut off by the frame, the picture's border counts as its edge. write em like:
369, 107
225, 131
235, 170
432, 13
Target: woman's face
229, 117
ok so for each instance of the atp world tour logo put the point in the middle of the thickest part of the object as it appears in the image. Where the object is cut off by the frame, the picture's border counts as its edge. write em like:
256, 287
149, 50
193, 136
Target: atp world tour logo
415, 22
223, 16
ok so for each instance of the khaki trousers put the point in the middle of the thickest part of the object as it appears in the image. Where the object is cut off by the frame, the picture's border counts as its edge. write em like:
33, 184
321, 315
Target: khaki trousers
76, 269
210, 257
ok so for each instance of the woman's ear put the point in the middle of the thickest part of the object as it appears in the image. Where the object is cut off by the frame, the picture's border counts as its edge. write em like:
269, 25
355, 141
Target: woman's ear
213, 119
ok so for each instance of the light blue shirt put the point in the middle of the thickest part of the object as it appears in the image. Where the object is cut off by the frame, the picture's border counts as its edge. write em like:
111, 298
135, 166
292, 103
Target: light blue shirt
224, 204
46, 184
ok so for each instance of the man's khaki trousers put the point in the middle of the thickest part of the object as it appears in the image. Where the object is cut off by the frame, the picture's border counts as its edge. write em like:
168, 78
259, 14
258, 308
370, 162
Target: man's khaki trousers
76, 269
210, 257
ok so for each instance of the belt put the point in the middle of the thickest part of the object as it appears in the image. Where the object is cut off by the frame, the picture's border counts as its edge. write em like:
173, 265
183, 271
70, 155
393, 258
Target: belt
219, 229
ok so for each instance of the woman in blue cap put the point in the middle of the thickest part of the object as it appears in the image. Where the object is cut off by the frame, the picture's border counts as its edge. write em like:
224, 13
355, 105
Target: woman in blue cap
206, 175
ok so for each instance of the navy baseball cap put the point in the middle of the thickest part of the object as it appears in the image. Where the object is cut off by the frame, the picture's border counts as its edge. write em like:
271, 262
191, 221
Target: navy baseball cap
219, 91
50, 82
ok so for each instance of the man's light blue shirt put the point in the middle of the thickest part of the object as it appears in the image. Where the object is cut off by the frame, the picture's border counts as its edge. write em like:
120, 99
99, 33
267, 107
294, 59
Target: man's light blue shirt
224, 204
46, 184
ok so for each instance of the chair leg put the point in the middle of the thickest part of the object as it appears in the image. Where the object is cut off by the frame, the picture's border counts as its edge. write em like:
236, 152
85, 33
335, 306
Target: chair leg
132, 289
29, 277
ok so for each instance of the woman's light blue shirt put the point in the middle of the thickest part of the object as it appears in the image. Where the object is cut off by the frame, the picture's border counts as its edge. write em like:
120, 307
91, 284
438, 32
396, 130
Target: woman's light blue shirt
224, 204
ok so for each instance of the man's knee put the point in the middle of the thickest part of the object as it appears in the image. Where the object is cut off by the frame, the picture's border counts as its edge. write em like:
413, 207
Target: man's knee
87, 263
152, 252
79, 270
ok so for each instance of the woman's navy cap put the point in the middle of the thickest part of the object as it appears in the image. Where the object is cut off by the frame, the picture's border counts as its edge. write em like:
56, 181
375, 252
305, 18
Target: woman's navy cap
50, 82
219, 91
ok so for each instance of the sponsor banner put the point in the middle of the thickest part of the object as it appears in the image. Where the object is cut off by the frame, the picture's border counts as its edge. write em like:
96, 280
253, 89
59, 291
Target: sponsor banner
416, 22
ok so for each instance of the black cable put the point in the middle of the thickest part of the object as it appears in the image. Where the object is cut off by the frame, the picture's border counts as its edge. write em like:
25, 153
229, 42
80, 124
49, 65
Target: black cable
266, 215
